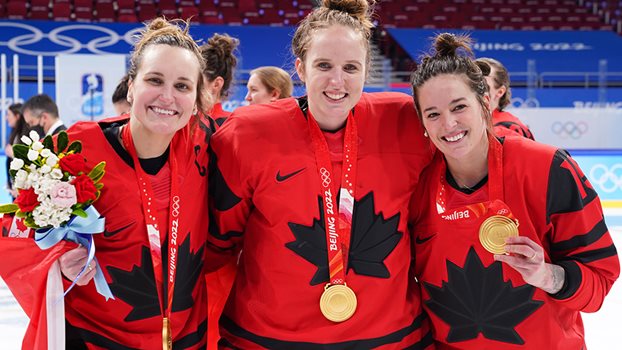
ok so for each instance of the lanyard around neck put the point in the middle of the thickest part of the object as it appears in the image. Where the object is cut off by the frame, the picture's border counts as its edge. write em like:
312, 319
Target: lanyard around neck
337, 220
153, 229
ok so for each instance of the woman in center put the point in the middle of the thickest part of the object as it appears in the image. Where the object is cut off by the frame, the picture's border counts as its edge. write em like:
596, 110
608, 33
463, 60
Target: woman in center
317, 189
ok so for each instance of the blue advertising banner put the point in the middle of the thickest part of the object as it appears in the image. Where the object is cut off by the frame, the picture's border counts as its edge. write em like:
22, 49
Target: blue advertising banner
580, 98
553, 51
259, 45
604, 170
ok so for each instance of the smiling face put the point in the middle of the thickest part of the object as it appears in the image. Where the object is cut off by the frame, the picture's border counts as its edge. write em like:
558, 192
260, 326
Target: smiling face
258, 92
164, 91
334, 74
453, 117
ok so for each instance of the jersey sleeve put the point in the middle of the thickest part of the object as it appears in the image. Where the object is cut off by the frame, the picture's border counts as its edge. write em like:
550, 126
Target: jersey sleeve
229, 194
580, 241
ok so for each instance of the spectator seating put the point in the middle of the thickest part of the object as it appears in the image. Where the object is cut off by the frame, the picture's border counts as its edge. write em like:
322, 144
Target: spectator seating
459, 14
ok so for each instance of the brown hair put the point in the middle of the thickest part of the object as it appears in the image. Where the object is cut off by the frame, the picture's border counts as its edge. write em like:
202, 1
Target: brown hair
220, 60
163, 32
501, 78
275, 78
452, 55
354, 14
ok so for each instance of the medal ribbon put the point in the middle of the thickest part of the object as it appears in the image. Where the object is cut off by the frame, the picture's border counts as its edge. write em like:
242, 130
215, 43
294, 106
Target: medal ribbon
337, 221
495, 176
153, 230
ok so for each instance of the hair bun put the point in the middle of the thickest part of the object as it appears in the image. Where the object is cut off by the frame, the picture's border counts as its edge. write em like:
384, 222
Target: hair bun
359, 9
447, 45
484, 67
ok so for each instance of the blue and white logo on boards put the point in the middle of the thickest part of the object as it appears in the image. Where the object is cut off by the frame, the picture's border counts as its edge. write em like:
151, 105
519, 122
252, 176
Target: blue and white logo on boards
92, 95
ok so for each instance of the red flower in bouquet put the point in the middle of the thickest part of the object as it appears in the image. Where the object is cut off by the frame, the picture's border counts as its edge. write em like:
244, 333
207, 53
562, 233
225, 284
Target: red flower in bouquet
73, 164
85, 188
27, 200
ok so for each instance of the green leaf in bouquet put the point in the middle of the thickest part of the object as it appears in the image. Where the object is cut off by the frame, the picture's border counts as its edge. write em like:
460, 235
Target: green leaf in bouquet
20, 214
62, 141
97, 172
79, 212
21, 151
75, 146
8, 208
99, 185
30, 222
48, 143
12, 173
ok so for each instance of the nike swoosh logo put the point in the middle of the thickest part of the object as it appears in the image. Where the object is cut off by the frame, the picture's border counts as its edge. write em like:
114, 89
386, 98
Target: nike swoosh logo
112, 233
281, 178
423, 240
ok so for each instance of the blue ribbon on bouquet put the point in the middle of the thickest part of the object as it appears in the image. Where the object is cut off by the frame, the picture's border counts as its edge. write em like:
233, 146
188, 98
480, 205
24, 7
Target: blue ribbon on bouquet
79, 230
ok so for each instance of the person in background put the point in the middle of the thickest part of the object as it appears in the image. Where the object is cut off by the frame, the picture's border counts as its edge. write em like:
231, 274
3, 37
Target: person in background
119, 97
154, 200
41, 110
509, 249
498, 80
220, 63
268, 84
19, 128
315, 192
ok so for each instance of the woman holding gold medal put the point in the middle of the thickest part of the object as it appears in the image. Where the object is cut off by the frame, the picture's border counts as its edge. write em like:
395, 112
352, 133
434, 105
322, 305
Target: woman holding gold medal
510, 239
318, 189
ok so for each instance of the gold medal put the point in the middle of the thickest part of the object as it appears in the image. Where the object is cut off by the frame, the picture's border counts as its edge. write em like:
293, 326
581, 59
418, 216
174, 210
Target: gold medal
494, 231
167, 337
338, 302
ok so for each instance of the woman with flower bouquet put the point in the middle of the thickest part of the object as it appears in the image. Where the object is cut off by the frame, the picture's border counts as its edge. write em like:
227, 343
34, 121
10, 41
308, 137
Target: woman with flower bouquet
138, 230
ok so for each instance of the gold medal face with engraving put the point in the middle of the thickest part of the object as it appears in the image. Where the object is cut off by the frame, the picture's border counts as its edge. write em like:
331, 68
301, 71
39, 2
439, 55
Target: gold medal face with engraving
494, 231
338, 302
167, 336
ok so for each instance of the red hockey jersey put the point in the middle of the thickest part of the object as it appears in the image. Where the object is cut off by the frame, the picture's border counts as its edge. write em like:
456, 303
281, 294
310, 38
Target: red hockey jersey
218, 282
267, 195
219, 115
507, 124
133, 320
477, 303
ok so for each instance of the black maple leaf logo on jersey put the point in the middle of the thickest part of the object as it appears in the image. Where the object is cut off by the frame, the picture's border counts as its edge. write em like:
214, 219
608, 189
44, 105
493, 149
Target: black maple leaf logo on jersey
475, 299
373, 239
197, 148
138, 289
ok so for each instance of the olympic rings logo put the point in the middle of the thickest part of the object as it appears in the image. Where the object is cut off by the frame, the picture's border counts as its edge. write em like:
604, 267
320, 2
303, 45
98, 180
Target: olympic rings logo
518, 102
105, 38
175, 206
325, 177
608, 179
569, 129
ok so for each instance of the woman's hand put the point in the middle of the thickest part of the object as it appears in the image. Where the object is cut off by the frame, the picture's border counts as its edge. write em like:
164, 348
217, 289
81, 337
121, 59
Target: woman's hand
527, 257
72, 262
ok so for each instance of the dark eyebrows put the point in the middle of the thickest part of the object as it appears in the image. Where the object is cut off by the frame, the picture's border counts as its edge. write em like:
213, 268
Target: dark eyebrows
162, 75
451, 103
328, 60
